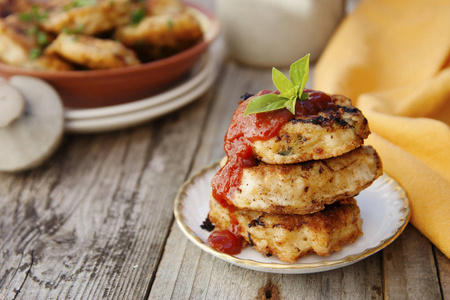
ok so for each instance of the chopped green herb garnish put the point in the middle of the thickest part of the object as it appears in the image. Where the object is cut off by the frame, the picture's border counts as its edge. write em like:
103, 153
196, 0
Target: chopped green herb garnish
291, 91
170, 24
80, 3
32, 31
42, 38
35, 53
137, 16
76, 30
33, 15
42, 16
26, 17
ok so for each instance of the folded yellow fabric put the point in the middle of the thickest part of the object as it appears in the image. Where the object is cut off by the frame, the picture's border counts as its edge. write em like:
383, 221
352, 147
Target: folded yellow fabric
392, 58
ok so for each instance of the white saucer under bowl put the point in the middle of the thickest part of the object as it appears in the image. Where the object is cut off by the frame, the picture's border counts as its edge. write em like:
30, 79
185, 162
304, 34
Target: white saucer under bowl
121, 121
195, 78
122, 116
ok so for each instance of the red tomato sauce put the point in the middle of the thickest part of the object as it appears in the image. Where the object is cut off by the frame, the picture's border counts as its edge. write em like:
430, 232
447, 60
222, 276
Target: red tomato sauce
243, 131
316, 102
225, 241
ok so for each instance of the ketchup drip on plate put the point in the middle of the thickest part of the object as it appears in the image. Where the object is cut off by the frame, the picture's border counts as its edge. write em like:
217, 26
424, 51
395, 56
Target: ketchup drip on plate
228, 241
243, 131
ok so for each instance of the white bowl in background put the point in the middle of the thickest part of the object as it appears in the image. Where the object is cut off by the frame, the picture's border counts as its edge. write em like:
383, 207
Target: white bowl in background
278, 32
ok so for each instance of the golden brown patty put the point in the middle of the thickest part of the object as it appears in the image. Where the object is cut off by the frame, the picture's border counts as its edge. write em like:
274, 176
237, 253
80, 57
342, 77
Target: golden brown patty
47, 63
329, 134
290, 237
160, 7
88, 18
91, 52
18, 42
306, 187
15, 44
161, 35
8, 7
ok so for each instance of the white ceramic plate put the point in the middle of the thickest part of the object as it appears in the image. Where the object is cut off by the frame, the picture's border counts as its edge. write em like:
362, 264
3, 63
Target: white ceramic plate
196, 77
384, 210
114, 122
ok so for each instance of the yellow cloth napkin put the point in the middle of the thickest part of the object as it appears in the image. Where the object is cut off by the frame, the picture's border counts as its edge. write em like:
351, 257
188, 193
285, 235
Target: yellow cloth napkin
392, 58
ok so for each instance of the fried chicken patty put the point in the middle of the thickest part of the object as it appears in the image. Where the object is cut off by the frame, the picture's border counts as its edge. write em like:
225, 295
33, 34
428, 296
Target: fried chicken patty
19, 40
8, 7
307, 187
161, 35
160, 7
329, 134
91, 52
87, 18
290, 237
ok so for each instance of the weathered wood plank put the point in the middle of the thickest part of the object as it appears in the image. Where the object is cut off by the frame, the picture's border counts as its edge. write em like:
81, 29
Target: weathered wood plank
409, 268
443, 266
358, 281
93, 221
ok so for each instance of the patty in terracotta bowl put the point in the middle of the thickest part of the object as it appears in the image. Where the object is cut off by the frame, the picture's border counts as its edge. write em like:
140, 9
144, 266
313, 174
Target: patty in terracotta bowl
143, 71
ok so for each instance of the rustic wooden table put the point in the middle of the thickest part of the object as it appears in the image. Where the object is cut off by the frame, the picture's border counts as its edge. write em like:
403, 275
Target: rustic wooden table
96, 220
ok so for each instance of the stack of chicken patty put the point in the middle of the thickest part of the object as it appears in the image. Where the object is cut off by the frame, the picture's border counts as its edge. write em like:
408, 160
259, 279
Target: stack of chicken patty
298, 198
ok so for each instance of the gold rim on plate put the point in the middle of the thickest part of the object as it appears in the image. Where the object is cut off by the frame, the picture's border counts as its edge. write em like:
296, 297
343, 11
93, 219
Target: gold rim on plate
305, 267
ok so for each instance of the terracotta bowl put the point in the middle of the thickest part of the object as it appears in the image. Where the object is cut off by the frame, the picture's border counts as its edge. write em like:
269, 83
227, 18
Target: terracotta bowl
98, 88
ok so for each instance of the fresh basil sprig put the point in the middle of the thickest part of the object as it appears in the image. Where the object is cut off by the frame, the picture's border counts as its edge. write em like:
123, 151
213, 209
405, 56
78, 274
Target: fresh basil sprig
291, 91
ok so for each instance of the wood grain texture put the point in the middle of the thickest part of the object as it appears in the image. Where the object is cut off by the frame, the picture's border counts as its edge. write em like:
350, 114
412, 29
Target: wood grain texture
409, 268
92, 222
443, 265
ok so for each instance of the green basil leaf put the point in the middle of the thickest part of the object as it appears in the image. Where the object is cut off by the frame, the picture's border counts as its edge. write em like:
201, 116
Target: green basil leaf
299, 72
290, 104
281, 82
291, 90
291, 93
265, 103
